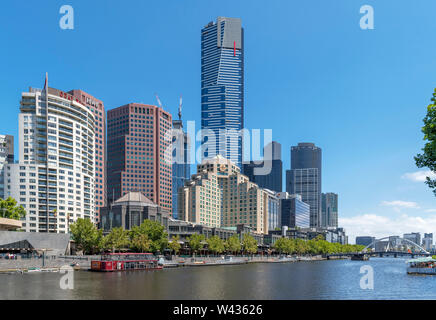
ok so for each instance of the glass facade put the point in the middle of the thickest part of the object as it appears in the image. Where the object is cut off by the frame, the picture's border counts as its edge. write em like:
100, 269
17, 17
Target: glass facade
304, 178
181, 166
272, 180
329, 213
222, 88
295, 213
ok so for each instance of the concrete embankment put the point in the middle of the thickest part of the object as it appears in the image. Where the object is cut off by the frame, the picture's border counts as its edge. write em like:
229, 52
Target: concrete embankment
53, 264
218, 261
44, 264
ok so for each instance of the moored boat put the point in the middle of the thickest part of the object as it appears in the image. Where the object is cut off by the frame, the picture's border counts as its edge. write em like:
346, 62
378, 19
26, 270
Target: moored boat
125, 262
425, 265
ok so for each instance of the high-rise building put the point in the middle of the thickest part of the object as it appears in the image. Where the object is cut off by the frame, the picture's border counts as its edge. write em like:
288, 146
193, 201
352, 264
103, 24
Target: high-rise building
414, 237
365, 241
329, 210
181, 161
139, 153
427, 241
273, 160
54, 178
222, 88
304, 178
6, 156
274, 215
294, 212
97, 108
220, 196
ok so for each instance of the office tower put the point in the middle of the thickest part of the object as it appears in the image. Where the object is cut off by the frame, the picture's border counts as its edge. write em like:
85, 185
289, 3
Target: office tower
329, 210
139, 153
97, 108
54, 178
273, 159
220, 196
6, 156
305, 178
294, 212
222, 88
181, 161
365, 241
414, 237
274, 216
394, 242
427, 241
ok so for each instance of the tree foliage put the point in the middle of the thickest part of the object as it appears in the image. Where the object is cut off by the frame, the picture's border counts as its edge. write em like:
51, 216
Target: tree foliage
314, 246
86, 236
249, 244
140, 243
10, 210
174, 245
233, 244
215, 244
154, 231
195, 242
117, 239
428, 157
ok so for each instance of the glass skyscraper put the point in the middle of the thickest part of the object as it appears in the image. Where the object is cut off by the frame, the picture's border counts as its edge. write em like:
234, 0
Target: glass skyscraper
305, 178
329, 211
222, 88
272, 157
181, 163
294, 212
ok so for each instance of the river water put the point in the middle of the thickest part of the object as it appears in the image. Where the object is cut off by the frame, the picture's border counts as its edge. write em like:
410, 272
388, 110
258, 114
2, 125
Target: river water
338, 279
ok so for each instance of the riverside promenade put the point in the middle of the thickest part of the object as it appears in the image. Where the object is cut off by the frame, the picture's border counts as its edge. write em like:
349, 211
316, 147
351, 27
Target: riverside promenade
54, 263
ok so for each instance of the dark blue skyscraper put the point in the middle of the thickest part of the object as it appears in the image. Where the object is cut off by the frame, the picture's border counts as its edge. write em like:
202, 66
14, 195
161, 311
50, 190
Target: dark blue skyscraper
181, 165
222, 88
272, 154
304, 178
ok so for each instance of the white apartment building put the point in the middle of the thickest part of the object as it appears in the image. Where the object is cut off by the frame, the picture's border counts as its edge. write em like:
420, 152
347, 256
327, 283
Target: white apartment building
54, 177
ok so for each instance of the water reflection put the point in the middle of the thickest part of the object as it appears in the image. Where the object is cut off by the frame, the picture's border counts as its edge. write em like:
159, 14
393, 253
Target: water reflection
303, 280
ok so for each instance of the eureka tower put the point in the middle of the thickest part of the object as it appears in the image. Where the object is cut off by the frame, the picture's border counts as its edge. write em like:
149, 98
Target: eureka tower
222, 88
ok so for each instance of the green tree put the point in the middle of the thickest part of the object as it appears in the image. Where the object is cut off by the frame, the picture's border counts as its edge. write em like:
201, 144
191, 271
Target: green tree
280, 245
215, 244
154, 231
300, 246
195, 242
174, 245
249, 244
10, 210
140, 243
233, 244
428, 157
117, 239
86, 236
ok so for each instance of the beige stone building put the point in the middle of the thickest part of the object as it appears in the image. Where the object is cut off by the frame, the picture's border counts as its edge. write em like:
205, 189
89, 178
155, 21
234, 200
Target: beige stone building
220, 196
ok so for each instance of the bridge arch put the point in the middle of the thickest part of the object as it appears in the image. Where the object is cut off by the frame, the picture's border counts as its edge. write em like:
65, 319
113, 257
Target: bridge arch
402, 239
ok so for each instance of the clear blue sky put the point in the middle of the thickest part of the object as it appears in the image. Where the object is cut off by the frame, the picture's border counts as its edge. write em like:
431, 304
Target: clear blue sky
311, 74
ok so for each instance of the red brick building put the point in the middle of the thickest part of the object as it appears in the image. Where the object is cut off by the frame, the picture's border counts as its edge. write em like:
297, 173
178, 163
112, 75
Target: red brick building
139, 158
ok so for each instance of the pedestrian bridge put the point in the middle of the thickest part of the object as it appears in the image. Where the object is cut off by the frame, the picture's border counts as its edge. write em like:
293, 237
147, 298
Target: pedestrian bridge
418, 250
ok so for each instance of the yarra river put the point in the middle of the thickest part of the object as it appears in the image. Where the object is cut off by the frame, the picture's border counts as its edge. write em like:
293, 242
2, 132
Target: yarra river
336, 279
